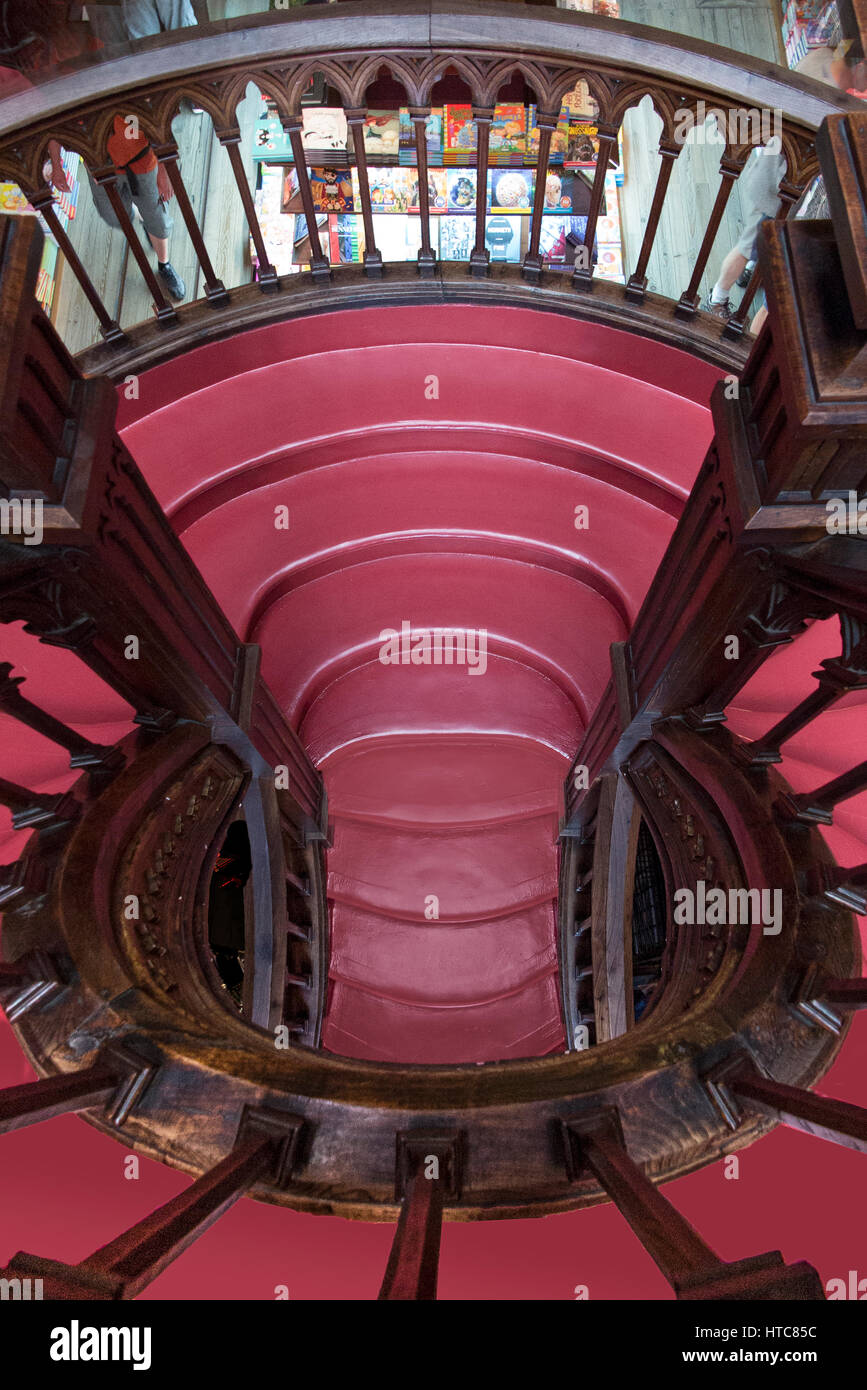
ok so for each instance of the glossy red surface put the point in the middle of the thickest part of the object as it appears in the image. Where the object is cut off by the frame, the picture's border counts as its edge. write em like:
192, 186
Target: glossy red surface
445, 503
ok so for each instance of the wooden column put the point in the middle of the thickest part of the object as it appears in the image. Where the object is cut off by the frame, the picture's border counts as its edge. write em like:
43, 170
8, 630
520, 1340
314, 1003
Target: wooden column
835, 1120
43, 202
594, 1146
372, 257
31, 980
107, 179
480, 257
428, 1170
817, 807
215, 291
34, 809
266, 1147
547, 123
636, 285
83, 752
730, 170
117, 1076
231, 142
426, 257
582, 275
320, 266
617, 825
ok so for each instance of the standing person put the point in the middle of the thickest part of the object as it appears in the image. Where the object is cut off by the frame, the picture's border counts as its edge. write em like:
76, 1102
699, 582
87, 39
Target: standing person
759, 185
139, 19
143, 183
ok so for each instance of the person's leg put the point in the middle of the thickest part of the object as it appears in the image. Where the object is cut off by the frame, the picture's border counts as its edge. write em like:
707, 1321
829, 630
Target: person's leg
141, 18
759, 320
158, 223
175, 14
102, 204
733, 266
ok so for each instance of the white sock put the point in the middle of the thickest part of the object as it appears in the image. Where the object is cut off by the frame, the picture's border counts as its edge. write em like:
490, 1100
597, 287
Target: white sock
718, 295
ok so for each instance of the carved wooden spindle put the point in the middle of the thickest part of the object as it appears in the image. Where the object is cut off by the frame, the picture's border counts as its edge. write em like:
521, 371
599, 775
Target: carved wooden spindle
31, 810
582, 275
426, 258
817, 807
428, 1170
231, 142
736, 1079
43, 202
736, 324
636, 285
320, 266
730, 169
107, 179
372, 257
83, 752
846, 886
215, 290
849, 995
480, 257
594, 1145
838, 677
31, 980
116, 1079
265, 1150
547, 124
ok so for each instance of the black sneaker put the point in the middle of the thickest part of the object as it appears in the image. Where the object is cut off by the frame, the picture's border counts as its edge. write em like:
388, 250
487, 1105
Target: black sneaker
172, 281
746, 275
722, 311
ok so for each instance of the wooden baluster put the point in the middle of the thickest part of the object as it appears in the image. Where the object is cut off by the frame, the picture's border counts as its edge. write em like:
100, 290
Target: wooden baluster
231, 142
594, 1144
426, 258
107, 179
582, 275
83, 752
480, 257
319, 264
372, 257
846, 886
266, 1148
215, 291
43, 202
34, 809
117, 1076
411, 1272
849, 995
31, 980
730, 170
547, 123
636, 285
817, 807
835, 1120
837, 678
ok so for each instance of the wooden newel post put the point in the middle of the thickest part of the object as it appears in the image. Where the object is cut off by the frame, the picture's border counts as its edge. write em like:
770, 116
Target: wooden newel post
266, 1149
428, 1171
594, 1147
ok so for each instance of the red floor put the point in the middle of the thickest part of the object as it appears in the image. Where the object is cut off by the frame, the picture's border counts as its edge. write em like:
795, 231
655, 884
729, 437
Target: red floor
432, 470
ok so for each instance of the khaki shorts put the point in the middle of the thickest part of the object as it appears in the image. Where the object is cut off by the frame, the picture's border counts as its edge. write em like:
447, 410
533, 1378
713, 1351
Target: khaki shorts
154, 213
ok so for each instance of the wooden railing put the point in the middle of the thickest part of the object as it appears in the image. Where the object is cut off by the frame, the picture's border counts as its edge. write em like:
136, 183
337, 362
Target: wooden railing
485, 46
141, 1014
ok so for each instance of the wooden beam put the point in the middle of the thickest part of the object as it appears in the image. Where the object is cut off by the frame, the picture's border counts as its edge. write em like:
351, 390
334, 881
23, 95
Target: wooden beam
617, 826
428, 1169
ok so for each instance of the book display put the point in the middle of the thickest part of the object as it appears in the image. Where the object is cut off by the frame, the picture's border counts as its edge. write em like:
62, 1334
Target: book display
13, 203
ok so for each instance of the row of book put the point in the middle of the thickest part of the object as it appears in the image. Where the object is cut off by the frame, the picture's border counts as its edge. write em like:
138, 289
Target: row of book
396, 189
451, 135
809, 24
13, 203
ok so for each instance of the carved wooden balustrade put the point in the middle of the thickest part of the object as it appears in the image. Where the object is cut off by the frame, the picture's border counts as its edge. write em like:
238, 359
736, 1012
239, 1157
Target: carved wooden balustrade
122, 1014
417, 44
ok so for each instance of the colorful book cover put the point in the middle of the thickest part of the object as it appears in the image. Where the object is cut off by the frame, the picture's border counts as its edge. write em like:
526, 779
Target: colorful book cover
461, 186
433, 134
390, 189
12, 200
437, 190
397, 238
460, 129
331, 190
347, 240
382, 133
324, 128
508, 130
582, 147
608, 231
610, 263
270, 140
511, 190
